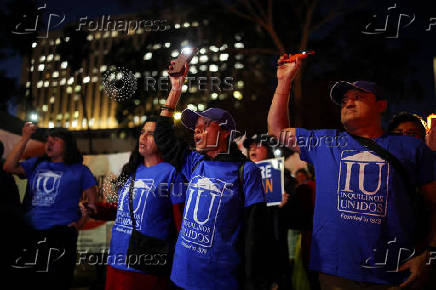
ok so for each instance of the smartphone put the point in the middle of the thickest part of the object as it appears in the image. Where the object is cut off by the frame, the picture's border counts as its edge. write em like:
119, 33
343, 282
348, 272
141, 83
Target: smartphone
185, 57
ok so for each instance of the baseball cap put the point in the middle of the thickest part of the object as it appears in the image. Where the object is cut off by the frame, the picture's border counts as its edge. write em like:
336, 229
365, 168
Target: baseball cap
257, 139
225, 120
339, 89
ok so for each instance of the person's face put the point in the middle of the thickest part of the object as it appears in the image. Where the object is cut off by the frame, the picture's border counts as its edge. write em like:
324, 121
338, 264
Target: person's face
409, 128
359, 108
301, 177
257, 152
55, 147
208, 135
147, 146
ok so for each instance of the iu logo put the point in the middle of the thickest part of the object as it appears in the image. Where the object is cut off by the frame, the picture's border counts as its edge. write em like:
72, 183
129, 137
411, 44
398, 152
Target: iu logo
363, 183
202, 207
141, 189
45, 187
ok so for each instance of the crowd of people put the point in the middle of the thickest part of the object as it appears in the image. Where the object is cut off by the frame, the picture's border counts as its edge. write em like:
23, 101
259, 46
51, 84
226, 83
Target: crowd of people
197, 218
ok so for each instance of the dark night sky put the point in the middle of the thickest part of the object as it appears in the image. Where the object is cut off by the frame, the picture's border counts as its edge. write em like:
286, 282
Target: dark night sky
423, 60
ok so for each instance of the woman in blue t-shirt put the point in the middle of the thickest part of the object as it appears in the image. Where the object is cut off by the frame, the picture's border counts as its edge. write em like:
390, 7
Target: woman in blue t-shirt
157, 203
55, 184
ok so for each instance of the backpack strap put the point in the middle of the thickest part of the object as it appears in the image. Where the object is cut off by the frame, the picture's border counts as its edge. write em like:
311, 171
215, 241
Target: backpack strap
132, 184
390, 158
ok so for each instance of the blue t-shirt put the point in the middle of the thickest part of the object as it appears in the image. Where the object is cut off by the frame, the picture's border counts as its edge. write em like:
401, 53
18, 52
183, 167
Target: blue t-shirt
363, 213
155, 190
53, 193
208, 253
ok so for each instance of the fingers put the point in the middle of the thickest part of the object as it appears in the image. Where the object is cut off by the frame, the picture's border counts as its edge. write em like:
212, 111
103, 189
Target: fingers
409, 281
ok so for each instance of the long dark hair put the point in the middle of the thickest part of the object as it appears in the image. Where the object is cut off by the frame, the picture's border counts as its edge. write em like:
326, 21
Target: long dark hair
135, 159
71, 154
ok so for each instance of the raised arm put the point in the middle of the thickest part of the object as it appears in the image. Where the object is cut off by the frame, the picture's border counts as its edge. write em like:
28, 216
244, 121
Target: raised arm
11, 164
174, 95
278, 116
172, 149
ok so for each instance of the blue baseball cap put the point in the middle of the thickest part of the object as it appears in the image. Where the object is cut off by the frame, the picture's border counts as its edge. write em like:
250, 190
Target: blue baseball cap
225, 120
339, 89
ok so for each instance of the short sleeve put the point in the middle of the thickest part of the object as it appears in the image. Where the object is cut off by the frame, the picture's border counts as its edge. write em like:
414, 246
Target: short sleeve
178, 188
88, 180
253, 189
192, 161
303, 137
29, 166
425, 165
314, 143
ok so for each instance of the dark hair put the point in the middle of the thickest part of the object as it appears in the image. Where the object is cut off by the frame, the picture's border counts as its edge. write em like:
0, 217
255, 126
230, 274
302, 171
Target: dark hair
407, 117
71, 152
135, 159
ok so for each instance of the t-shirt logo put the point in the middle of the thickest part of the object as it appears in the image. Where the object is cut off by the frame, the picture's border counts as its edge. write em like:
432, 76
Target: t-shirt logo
204, 200
363, 183
141, 189
45, 187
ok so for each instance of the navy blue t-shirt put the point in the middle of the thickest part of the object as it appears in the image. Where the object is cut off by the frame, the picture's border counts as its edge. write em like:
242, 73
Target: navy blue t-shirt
54, 190
155, 190
207, 254
363, 213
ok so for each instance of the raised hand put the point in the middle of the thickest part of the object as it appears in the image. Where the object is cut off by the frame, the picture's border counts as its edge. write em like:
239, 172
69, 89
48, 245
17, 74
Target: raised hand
287, 71
177, 82
28, 130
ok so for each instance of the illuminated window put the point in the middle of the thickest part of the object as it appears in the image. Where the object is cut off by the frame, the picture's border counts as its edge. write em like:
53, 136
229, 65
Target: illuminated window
55, 74
64, 64
239, 45
224, 56
213, 67
148, 56
40, 67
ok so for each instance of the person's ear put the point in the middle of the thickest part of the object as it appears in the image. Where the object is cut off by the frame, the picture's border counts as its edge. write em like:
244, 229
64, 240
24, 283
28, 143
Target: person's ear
382, 105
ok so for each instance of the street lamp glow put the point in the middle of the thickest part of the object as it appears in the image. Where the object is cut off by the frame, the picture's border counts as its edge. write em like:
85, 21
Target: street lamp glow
177, 115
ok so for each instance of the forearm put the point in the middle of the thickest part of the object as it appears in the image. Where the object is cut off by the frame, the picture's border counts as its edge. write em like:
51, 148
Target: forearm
278, 115
11, 163
172, 100
172, 149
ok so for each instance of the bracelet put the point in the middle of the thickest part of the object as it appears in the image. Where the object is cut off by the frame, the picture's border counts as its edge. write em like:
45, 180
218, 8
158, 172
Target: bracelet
167, 108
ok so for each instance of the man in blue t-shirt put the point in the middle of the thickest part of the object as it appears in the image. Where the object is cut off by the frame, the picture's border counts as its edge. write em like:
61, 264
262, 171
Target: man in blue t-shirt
223, 233
364, 221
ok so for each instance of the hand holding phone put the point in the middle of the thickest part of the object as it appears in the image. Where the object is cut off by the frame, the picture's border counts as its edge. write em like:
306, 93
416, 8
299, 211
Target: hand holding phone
185, 57
293, 57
